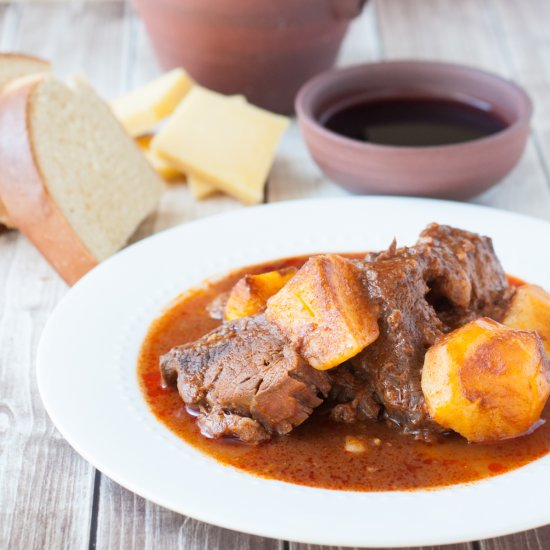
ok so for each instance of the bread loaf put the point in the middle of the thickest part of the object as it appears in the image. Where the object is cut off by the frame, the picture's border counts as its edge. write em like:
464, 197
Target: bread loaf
72, 180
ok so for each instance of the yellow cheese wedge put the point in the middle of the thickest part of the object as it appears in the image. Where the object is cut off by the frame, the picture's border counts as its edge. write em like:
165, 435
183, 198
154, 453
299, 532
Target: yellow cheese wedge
200, 189
163, 168
142, 109
225, 142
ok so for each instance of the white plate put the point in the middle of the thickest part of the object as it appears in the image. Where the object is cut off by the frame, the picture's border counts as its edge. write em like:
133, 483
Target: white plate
87, 377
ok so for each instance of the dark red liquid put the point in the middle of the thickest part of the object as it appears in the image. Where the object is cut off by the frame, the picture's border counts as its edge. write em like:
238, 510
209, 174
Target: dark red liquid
410, 122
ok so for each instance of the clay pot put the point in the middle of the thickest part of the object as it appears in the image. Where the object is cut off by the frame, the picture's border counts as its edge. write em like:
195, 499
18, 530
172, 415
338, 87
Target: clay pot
264, 50
456, 171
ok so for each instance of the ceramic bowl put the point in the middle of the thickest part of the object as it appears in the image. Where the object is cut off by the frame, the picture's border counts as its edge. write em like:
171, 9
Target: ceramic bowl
456, 171
263, 50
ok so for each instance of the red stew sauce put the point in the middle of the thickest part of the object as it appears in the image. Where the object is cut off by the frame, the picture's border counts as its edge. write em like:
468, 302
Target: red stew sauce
314, 453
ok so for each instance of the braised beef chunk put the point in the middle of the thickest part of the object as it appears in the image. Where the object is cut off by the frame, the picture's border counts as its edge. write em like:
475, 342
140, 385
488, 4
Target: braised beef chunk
465, 277
391, 366
219, 423
245, 380
352, 392
448, 278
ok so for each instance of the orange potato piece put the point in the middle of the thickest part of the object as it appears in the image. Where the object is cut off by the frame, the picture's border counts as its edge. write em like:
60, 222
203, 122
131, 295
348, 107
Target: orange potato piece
530, 310
250, 294
325, 310
486, 381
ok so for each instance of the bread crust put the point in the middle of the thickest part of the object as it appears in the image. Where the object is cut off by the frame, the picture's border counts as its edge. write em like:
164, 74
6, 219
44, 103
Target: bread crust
46, 67
26, 56
25, 196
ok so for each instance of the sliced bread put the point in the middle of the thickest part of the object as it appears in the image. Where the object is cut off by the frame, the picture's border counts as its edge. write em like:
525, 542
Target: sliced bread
72, 180
12, 67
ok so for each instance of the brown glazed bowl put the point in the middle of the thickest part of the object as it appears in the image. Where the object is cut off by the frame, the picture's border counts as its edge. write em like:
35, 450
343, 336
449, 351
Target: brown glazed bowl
456, 171
264, 50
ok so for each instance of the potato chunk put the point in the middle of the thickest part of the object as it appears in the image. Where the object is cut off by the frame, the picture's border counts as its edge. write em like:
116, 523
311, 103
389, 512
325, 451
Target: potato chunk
325, 310
250, 294
486, 381
530, 310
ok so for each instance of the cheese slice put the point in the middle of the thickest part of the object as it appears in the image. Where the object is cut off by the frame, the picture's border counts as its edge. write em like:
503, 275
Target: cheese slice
163, 168
228, 143
200, 189
142, 109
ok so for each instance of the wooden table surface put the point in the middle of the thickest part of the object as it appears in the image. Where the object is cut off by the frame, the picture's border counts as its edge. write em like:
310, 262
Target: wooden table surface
50, 497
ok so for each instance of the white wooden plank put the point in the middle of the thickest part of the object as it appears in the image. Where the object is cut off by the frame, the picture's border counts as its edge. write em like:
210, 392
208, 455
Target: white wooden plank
128, 521
524, 190
142, 61
440, 30
45, 489
9, 22
294, 175
537, 539
78, 38
523, 31
362, 42
3, 27
295, 546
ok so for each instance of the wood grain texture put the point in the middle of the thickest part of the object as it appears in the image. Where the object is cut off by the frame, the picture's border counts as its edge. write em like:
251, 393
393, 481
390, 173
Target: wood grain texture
79, 38
522, 31
295, 546
9, 23
5, 39
46, 488
439, 29
128, 521
537, 539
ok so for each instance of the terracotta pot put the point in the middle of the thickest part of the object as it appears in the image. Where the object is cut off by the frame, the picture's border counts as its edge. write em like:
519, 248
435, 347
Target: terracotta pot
456, 171
264, 50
